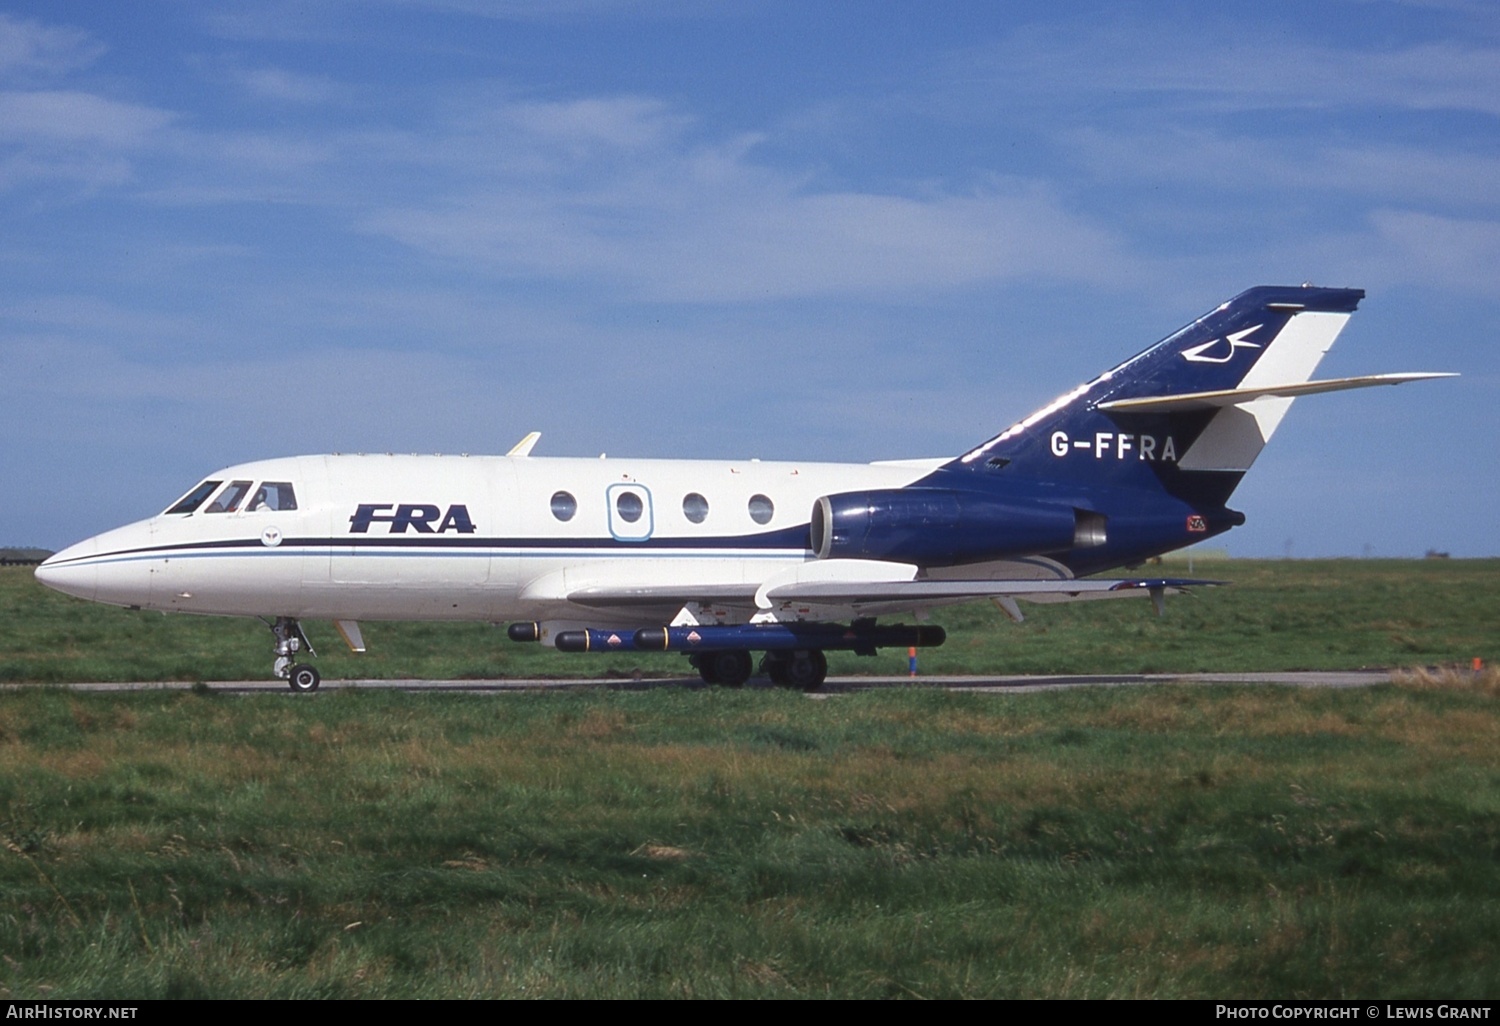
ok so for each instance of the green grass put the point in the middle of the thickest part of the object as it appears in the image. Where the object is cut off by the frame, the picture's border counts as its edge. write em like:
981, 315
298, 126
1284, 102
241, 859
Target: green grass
1277, 615
1166, 841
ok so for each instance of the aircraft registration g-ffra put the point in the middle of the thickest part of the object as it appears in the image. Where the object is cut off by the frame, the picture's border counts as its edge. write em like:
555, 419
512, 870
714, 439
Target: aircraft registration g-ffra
723, 560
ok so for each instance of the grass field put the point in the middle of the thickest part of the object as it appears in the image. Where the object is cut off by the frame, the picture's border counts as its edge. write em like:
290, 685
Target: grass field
1277, 615
1165, 841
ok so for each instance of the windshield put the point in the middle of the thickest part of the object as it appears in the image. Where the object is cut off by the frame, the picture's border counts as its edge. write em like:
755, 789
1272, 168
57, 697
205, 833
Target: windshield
230, 498
193, 499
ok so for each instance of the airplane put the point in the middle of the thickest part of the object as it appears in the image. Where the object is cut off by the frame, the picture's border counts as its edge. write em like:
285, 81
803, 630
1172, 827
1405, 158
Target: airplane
724, 559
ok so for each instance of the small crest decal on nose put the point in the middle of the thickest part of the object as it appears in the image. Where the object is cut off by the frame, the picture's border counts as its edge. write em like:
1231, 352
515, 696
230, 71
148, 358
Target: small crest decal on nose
271, 537
1197, 354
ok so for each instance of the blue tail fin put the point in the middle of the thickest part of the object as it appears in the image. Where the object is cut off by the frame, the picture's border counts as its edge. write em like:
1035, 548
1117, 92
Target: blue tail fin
1160, 420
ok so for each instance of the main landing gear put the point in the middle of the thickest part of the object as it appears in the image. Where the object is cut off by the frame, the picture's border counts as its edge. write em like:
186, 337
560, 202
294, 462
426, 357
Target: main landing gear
731, 668
804, 671
290, 640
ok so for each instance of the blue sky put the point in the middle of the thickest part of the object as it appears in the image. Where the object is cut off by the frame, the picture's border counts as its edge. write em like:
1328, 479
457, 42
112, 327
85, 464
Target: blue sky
845, 231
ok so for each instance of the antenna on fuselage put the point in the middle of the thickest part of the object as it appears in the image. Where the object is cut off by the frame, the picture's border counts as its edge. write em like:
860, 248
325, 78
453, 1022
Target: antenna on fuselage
525, 445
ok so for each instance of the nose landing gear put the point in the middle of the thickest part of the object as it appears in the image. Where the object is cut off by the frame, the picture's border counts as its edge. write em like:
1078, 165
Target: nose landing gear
290, 640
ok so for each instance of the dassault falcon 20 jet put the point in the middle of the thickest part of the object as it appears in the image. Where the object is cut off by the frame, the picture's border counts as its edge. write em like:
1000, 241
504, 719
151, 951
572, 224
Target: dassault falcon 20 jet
721, 560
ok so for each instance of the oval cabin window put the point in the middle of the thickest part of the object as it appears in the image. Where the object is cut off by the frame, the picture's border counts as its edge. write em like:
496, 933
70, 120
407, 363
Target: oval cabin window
629, 506
564, 506
695, 507
761, 509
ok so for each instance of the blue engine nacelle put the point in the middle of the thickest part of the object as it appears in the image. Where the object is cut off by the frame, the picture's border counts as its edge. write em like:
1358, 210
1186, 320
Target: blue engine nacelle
939, 527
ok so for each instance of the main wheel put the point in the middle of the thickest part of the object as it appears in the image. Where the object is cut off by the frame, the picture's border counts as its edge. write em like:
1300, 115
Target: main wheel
806, 671
730, 668
304, 678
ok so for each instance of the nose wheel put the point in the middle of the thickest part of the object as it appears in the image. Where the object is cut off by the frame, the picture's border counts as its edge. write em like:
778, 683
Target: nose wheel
290, 640
304, 678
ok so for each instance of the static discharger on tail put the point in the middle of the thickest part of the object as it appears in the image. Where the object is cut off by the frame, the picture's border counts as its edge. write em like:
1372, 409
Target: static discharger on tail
721, 560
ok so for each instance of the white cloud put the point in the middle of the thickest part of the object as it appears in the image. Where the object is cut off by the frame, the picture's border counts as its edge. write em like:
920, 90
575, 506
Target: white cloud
642, 207
69, 118
341, 20
549, 10
28, 48
1230, 67
250, 152
285, 86
1249, 164
90, 170
62, 136
1442, 250
624, 123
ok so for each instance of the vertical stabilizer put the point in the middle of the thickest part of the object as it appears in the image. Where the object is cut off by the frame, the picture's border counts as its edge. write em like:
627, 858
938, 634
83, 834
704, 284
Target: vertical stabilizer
1237, 433
1122, 429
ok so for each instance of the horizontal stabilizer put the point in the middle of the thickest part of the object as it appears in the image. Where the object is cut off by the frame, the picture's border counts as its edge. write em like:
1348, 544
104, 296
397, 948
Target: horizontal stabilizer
1238, 396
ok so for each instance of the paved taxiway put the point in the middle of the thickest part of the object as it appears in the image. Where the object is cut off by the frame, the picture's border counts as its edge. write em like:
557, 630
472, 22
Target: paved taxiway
834, 685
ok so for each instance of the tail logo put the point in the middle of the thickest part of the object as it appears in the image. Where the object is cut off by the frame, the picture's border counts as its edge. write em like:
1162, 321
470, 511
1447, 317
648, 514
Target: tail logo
1236, 341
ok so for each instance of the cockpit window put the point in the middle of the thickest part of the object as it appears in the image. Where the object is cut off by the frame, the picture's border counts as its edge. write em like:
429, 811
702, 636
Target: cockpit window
277, 495
193, 499
230, 498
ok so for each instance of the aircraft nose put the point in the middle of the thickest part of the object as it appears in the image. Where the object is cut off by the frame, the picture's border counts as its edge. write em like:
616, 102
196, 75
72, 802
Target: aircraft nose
72, 571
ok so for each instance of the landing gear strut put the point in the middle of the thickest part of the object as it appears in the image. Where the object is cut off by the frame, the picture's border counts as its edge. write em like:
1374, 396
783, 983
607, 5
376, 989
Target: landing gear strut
290, 640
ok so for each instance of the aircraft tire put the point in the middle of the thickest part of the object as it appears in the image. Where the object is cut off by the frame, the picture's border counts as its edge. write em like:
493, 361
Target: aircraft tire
732, 668
805, 671
304, 679
776, 669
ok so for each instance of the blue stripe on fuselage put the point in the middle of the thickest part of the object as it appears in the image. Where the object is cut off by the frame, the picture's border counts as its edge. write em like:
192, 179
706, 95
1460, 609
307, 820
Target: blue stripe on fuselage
783, 544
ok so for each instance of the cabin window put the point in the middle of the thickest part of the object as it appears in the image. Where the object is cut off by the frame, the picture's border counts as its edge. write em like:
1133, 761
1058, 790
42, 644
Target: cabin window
230, 498
695, 507
193, 499
564, 506
761, 509
275, 495
629, 506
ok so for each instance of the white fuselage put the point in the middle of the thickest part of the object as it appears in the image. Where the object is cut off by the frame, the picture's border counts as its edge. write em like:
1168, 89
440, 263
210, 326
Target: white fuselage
393, 537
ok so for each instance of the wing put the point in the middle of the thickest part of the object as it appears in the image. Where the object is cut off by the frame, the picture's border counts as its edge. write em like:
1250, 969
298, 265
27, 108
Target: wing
663, 595
942, 592
836, 588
